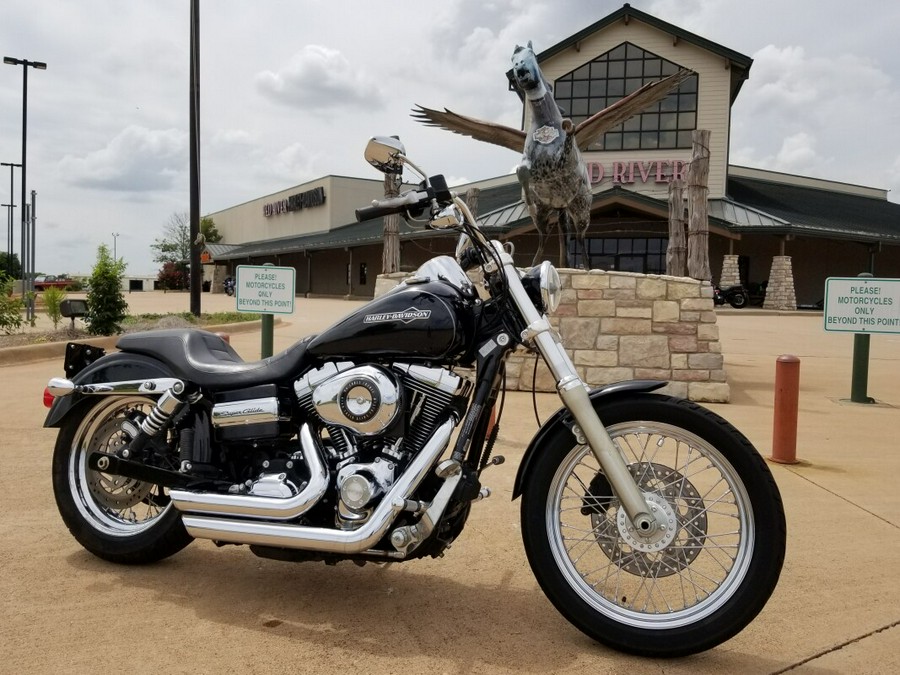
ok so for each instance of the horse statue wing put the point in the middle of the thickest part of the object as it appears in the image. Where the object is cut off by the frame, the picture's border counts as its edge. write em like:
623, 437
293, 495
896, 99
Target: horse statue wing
599, 123
489, 132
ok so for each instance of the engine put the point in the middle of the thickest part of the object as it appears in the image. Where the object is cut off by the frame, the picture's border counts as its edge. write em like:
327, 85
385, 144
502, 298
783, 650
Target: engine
376, 419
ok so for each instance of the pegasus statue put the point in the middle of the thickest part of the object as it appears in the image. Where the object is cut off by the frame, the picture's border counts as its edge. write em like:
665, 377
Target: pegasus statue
552, 173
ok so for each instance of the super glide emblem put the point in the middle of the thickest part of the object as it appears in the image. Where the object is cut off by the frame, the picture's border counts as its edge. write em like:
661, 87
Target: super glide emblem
406, 316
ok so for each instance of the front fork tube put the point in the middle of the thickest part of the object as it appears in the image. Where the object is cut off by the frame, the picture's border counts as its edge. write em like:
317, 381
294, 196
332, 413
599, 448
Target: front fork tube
574, 395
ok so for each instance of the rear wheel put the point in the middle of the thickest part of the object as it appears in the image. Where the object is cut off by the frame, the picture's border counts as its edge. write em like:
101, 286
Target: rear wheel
116, 518
689, 586
738, 300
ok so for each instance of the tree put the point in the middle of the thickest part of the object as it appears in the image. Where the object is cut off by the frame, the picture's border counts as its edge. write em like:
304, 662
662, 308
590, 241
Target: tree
171, 277
175, 244
208, 230
16, 271
105, 301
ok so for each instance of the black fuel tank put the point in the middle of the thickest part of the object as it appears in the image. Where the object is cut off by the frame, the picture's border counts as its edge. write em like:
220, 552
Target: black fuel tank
428, 321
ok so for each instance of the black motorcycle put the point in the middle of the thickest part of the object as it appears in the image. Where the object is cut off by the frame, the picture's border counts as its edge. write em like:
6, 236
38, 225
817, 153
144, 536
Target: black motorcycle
736, 296
650, 522
228, 286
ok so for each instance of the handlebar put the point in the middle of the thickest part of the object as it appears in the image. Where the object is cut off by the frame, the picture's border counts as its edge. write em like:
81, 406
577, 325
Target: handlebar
411, 201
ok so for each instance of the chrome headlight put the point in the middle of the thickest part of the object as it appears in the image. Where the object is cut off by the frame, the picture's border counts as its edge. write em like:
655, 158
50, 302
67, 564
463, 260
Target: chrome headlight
551, 287
543, 287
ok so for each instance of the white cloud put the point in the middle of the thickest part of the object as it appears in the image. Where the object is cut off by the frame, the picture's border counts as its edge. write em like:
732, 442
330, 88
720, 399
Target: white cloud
319, 78
136, 160
292, 165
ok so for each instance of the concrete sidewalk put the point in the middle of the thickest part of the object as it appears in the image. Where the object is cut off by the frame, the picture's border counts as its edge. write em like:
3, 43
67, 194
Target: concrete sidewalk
836, 609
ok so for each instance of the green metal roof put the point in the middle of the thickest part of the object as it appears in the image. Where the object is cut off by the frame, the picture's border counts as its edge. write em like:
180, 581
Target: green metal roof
752, 205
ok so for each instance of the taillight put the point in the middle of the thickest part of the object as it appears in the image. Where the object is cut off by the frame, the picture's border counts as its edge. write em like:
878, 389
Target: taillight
48, 398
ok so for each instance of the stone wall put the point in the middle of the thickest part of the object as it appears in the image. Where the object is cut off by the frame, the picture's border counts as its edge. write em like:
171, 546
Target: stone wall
622, 326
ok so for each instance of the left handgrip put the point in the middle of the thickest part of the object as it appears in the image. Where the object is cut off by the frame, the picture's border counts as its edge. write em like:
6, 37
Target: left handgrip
412, 200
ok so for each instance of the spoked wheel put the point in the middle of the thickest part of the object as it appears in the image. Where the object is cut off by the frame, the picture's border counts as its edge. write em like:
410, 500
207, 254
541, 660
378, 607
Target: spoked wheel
116, 518
697, 580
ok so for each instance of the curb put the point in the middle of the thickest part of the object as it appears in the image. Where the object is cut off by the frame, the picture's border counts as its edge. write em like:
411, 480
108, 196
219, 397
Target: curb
14, 356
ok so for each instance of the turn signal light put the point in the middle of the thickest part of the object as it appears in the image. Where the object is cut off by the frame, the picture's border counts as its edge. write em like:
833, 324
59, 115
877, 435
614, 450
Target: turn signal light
48, 398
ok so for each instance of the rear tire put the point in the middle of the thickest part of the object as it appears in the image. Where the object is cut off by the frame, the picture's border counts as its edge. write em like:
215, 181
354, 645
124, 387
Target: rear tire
116, 518
698, 583
738, 300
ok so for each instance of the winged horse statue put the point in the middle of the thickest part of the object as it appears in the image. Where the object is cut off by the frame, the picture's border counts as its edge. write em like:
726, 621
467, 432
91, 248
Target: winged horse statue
552, 173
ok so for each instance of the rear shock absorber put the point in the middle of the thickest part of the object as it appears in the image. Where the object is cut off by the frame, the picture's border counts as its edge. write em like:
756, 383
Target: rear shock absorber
167, 405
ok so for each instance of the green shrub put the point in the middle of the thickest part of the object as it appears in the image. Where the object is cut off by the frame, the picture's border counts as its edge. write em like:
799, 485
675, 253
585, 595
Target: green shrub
53, 298
10, 307
105, 301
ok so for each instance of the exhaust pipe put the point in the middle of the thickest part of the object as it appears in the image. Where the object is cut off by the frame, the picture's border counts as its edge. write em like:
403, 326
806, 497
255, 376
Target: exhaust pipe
284, 535
255, 506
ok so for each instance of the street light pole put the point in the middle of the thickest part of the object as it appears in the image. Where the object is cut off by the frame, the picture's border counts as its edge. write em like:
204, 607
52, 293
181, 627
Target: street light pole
37, 65
11, 217
9, 223
115, 236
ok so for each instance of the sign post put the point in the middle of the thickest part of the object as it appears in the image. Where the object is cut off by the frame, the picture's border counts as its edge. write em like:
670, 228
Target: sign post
862, 305
267, 290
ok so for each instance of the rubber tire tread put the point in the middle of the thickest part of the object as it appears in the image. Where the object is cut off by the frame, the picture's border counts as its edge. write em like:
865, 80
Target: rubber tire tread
165, 538
769, 548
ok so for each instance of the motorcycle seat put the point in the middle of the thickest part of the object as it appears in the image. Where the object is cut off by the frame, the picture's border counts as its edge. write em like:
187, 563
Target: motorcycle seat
205, 358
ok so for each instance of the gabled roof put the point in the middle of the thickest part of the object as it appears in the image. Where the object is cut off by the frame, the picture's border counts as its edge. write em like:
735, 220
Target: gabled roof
740, 63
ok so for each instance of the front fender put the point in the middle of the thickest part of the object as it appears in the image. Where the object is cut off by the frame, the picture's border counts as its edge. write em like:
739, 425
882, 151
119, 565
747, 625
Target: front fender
115, 367
562, 419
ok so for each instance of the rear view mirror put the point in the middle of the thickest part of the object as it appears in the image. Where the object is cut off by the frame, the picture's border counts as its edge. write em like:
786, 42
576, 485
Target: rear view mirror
386, 153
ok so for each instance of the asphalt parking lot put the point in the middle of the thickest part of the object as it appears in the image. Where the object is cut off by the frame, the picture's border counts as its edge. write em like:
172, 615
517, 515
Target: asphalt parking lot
477, 610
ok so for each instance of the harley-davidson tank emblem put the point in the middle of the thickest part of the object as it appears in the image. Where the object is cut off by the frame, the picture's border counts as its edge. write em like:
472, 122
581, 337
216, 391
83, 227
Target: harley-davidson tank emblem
545, 135
407, 315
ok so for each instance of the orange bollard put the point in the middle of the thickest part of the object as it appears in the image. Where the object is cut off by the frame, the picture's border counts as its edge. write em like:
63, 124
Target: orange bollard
787, 395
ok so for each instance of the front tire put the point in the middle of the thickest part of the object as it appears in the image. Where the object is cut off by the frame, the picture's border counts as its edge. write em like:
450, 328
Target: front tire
119, 519
680, 591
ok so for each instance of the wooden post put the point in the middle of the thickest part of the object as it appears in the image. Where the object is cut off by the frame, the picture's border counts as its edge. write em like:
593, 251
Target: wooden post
472, 200
698, 208
390, 253
676, 252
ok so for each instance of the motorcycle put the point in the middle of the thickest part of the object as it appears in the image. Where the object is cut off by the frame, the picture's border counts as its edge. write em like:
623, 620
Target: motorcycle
228, 286
651, 523
736, 296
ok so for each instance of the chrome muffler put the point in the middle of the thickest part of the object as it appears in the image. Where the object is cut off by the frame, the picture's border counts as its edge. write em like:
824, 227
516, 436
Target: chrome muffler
255, 506
284, 535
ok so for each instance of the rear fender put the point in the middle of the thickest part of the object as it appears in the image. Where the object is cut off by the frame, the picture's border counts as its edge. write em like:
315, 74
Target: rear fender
561, 421
116, 367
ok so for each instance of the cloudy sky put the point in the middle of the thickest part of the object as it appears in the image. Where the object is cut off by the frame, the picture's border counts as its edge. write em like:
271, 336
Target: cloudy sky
292, 90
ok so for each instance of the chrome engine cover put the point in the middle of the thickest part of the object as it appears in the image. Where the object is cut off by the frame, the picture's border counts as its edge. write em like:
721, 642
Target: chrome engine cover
365, 399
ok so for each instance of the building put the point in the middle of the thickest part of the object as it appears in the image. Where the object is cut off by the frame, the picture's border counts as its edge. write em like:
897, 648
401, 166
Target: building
790, 232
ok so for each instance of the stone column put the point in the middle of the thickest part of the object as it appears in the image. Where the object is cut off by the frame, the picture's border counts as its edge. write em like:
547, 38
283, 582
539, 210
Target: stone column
780, 291
730, 276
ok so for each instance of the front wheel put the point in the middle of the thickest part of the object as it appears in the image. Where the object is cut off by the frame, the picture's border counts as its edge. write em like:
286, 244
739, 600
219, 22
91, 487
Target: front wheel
689, 586
116, 518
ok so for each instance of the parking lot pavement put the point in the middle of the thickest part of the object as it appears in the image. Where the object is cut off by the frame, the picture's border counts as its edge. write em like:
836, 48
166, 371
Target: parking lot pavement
477, 610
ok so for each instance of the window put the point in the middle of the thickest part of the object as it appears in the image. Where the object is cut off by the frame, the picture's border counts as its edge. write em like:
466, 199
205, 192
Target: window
617, 73
626, 254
